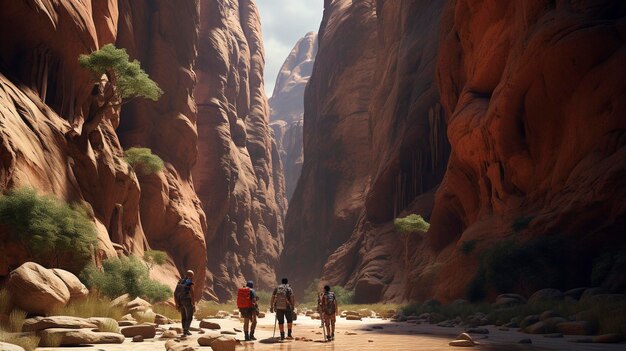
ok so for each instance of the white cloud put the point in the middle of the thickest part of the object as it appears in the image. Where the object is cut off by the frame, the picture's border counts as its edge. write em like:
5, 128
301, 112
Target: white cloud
283, 23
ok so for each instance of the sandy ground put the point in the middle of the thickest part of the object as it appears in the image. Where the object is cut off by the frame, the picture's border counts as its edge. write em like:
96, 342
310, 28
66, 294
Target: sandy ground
362, 336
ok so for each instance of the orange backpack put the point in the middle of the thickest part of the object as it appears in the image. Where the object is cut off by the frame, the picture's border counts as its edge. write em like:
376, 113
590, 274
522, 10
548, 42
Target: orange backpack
243, 298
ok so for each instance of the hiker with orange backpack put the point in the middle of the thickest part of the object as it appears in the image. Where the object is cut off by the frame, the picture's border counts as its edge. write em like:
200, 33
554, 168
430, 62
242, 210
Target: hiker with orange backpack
247, 304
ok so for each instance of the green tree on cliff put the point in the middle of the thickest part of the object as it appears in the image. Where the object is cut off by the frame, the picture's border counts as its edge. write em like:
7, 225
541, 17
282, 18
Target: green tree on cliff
412, 223
125, 80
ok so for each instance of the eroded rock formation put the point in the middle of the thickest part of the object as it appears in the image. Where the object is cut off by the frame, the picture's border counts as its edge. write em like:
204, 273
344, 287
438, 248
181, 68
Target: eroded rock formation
45, 95
238, 175
287, 107
532, 101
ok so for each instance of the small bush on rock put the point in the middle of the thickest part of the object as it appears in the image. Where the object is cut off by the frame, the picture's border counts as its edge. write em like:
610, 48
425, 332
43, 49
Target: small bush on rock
125, 275
143, 161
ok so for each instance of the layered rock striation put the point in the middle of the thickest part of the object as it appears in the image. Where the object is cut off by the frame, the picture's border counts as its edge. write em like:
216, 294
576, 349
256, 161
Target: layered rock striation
287, 107
238, 175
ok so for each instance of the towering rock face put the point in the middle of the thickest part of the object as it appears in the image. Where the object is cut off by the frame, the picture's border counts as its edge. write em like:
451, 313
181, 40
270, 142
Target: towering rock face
44, 98
531, 97
287, 107
238, 175
535, 98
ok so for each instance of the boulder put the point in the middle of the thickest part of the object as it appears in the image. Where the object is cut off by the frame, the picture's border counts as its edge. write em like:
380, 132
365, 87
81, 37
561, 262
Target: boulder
179, 330
462, 343
205, 324
350, 313
317, 316
147, 331
36, 289
126, 323
169, 334
207, 339
575, 293
553, 322
546, 295
364, 312
607, 338
509, 300
40, 323
173, 345
161, 319
575, 328
76, 288
528, 321
105, 323
261, 315
548, 314
138, 304
353, 318
539, 328
76, 337
128, 317
143, 315
9, 347
137, 338
121, 301
223, 343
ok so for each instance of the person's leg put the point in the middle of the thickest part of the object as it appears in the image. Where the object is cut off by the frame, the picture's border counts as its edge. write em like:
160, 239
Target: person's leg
186, 315
280, 315
246, 323
289, 317
333, 320
327, 323
252, 325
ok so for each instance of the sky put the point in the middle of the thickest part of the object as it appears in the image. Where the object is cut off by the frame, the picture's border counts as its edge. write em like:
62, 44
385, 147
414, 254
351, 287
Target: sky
283, 23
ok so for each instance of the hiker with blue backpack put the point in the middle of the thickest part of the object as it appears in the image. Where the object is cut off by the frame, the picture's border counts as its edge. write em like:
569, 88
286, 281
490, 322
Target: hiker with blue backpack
283, 303
329, 310
185, 300
248, 309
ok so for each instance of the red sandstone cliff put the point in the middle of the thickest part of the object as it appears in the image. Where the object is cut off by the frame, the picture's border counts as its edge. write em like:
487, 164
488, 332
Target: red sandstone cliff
238, 175
287, 107
44, 97
532, 101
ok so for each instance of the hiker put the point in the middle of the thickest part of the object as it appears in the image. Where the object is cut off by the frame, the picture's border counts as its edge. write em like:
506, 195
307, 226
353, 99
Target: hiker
248, 308
185, 301
283, 303
329, 312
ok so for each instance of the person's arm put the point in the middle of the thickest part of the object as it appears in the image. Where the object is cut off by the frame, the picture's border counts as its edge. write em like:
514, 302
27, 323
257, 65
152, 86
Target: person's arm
273, 301
292, 300
193, 297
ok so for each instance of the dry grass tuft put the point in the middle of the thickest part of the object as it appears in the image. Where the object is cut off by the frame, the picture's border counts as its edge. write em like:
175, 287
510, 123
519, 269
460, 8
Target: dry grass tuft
91, 306
51, 340
27, 342
206, 309
15, 322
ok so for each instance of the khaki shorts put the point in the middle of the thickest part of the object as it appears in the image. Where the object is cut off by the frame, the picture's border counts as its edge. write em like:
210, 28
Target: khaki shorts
330, 317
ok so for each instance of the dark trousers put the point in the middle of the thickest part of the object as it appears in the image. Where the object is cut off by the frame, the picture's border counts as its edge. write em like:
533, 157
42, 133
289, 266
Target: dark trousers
186, 314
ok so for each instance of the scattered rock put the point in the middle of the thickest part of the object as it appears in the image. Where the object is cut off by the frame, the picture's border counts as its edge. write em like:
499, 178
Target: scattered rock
261, 315
205, 324
546, 295
525, 341
147, 331
173, 345
317, 316
575, 293
179, 330
161, 319
228, 332
353, 318
462, 343
477, 330
548, 314
40, 323
137, 338
121, 301
206, 340
76, 337
237, 330
575, 328
128, 317
589, 292
138, 303
169, 334
528, 321
553, 335
553, 322
607, 338
36, 289
350, 333
509, 300
447, 324
126, 323
538, 328
105, 323
224, 344
364, 312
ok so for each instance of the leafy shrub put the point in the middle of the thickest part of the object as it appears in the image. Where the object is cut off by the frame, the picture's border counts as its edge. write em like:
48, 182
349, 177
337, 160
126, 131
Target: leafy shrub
130, 78
311, 293
510, 266
468, 246
521, 223
412, 223
125, 275
143, 161
265, 297
49, 229
154, 257
343, 295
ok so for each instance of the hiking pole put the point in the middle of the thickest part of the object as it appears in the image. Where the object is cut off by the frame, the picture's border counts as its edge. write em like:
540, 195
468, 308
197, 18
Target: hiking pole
323, 326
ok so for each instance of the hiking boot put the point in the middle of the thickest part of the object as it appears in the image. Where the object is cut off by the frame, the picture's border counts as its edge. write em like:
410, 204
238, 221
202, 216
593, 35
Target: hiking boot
187, 332
246, 336
252, 337
328, 338
282, 336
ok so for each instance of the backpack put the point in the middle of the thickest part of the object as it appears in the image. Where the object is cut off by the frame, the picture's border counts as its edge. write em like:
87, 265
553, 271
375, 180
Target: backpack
282, 297
243, 298
329, 303
182, 291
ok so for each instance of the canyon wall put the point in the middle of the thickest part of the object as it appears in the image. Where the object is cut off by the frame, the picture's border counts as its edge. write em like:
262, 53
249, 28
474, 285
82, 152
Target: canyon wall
530, 97
238, 175
287, 107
